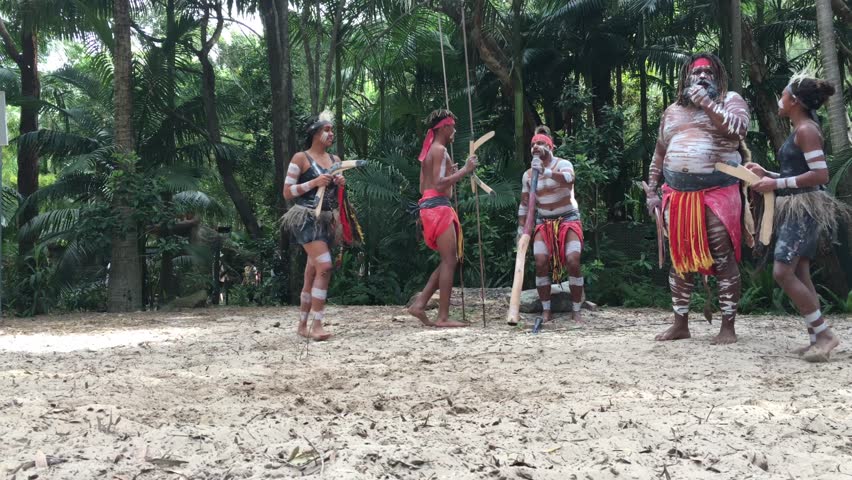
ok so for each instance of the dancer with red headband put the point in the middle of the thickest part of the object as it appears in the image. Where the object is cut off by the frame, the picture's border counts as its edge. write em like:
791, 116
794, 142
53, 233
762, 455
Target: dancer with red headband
702, 207
441, 226
558, 239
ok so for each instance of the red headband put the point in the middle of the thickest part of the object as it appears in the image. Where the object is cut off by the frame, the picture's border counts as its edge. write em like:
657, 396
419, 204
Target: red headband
542, 138
701, 62
430, 137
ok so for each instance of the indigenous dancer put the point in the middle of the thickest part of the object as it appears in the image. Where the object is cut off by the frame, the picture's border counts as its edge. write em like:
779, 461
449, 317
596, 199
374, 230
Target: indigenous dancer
804, 212
702, 207
307, 172
438, 174
558, 239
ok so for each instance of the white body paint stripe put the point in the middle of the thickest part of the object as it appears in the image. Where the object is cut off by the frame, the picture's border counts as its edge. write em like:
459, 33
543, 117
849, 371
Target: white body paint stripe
318, 293
574, 246
814, 154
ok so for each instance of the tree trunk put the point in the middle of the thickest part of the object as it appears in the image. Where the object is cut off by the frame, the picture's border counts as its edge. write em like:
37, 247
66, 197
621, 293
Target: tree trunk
168, 288
276, 24
836, 107
619, 87
338, 101
494, 58
518, 82
602, 93
214, 133
334, 48
125, 275
310, 60
643, 116
28, 158
724, 22
765, 104
736, 20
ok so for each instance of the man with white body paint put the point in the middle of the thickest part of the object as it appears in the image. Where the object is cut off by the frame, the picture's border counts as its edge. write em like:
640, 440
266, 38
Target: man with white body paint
702, 207
558, 239
309, 170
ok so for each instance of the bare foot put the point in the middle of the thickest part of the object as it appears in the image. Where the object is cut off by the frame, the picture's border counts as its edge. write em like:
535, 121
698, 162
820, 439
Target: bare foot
578, 318
727, 335
678, 331
802, 350
318, 333
302, 330
820, 351
417, 311
546, 316
449, 324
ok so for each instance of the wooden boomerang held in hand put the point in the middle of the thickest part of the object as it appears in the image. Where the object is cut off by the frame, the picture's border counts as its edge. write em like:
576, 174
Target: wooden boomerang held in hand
474, 179
750, 178
335, 169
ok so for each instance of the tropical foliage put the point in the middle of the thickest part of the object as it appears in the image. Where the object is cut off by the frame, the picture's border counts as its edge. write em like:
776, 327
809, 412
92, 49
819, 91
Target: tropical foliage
183, 181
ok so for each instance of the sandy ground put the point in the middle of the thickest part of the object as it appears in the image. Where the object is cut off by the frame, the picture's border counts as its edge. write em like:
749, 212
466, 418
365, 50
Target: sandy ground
225, 394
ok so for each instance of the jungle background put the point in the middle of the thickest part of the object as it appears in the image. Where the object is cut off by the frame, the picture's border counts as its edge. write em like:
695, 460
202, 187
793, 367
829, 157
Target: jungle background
149, 140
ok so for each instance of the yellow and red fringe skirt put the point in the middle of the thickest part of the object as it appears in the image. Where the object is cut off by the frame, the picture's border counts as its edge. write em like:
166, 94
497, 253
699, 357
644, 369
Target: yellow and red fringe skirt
687, 225
554, 233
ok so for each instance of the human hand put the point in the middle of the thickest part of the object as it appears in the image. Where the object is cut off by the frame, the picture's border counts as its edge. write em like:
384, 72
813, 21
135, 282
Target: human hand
765, 185
323, 180
471, 164
537, 164
697, 94
339, 180
756, 169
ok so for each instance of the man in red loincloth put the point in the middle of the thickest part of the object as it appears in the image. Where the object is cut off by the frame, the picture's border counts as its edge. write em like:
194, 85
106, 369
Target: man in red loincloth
441, 226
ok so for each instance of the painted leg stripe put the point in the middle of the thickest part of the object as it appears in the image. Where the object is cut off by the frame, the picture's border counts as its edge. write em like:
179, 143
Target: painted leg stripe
324, 258
545, 305
821, 328
540, 248
576, 306
305, 297
542, 281
319, 294
680, 310
576, 281
317, 316
813, 317
574, 246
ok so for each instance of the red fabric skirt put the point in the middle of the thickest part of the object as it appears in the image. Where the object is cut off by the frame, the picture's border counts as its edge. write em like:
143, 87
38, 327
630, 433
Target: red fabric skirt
437, 220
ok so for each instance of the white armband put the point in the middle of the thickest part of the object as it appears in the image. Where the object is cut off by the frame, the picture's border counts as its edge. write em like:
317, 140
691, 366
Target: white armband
786, 182
814, 154
817, 165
